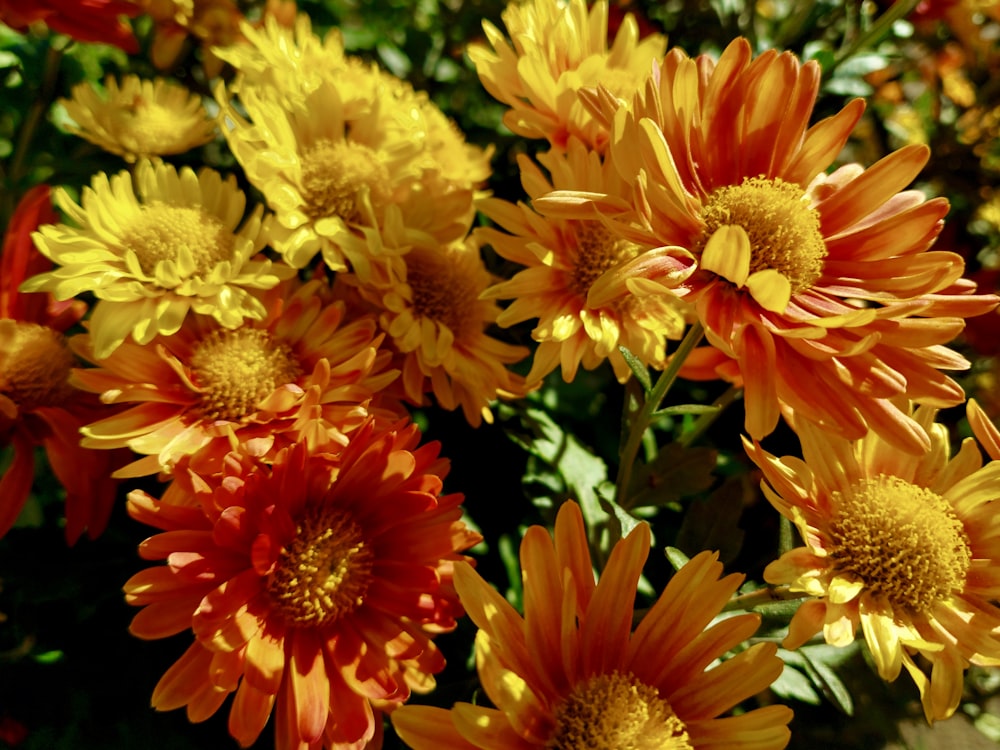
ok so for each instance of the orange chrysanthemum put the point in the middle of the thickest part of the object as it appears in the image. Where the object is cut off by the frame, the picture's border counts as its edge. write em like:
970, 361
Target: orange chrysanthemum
38, 406
905, 547
303, 374
567, 260
799, 271
313, 587
570, 673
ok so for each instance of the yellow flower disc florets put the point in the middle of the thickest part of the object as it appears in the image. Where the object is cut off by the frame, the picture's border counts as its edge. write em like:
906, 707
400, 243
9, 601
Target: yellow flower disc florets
335, 174
597, 251
234, 370
324, 572
161, 230
441, 290
784, 232
902, 541
34, 365
617, 712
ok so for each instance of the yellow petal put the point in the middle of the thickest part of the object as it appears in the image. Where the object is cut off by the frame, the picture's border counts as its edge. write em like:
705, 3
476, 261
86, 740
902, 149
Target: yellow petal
727, 253
771, 289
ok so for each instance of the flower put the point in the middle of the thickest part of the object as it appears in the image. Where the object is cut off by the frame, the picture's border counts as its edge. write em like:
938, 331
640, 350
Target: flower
906, 547
85, 20
571, 674
798, 270
303, 374
312, 587
139, 118
38, 406
213, 23
153, 257
566, 261
437, 321
559, 48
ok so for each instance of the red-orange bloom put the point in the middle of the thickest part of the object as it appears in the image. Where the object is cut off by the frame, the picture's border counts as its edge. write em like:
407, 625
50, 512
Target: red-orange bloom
313, 587
86, 20
38, 406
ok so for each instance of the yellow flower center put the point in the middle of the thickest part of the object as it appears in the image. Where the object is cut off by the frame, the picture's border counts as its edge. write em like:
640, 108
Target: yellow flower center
617, 712
337, 174
597, 251
236, 369
161, 231
34, 365
325, 571
784, 232
902, 541
442, 290
148, 128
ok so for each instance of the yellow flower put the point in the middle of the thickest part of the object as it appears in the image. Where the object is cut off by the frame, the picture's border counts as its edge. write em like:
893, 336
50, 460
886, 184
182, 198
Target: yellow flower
799, 270
139, 118
155, 251
905, 547
437, 322
560, 48
566, 261
572, 674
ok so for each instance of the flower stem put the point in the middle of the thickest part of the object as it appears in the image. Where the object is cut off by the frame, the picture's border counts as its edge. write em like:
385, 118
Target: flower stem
881, 26
645, 417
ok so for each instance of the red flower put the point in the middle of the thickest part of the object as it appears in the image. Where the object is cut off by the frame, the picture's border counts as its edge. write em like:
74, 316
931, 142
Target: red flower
85, 20
38, 406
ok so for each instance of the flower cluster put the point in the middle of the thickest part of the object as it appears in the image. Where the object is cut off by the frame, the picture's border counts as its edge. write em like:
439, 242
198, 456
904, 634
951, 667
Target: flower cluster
289, 263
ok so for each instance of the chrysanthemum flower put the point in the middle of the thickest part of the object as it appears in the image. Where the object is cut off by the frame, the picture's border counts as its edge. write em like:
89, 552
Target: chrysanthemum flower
38, 406
566, 260
152, 254
87, 20
560, 47
211, 23
571, 674
303, 374
139, 118
800, 271
905, 547
313, 587
436, 320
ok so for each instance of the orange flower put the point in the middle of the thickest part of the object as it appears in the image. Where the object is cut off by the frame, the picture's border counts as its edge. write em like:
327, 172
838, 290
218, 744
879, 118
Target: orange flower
904, 548
571, 674
799, 271
301, 374
38, 406
313, 587
86, 20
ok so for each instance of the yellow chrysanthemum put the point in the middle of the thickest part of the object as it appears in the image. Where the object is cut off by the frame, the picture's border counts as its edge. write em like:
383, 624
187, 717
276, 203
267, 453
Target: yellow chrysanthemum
139, 118
566, 260
436, 320
209, 22
560, 47
906, 548
572, 674
154, 251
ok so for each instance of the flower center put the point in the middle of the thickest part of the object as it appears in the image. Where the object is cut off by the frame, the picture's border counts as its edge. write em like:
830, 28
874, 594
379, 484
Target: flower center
597, 251
617, 712
442, 290
185, 235
34, 365
150, 128
336, 175
324, 572
784, 232
236, 369
903, 541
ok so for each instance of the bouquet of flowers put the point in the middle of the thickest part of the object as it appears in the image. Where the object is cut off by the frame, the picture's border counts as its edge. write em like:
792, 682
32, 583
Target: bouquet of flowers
480, 375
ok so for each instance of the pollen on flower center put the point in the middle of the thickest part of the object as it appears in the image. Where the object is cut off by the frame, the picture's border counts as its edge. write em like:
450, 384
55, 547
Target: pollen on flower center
903, 541
441, 291
149, 128
34, 365
616, 711
784, 232
335, 176
235, 369
161, 231
324, 572
597, 251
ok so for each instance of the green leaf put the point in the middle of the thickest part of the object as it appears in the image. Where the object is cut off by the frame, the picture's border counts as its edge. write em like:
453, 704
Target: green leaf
686, 409
676, 472
825, 678
638, 368
791, 683
676, 558
713, 523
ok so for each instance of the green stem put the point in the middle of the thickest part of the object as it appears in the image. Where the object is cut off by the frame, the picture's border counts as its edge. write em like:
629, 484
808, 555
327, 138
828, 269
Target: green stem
627, 457
708, 418
766, 595
880, 28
